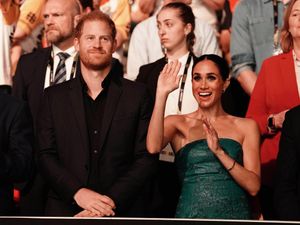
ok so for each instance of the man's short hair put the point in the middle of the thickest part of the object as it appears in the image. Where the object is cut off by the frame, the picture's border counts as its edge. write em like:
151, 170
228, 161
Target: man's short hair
96, 15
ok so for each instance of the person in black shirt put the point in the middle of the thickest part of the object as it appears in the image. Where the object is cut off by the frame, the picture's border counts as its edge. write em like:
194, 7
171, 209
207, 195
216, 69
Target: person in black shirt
92, 130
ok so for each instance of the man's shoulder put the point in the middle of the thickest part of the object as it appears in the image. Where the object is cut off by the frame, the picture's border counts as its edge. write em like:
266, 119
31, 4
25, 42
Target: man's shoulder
35, 55
159, 62
60, 89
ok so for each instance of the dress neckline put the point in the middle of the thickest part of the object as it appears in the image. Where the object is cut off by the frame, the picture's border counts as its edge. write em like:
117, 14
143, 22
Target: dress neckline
204, 140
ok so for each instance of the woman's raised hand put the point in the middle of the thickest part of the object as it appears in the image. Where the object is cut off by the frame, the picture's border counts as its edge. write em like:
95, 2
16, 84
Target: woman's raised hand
211, 136
169, 79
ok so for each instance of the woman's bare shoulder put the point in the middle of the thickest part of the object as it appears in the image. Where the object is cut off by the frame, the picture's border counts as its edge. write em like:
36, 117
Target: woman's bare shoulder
245, 124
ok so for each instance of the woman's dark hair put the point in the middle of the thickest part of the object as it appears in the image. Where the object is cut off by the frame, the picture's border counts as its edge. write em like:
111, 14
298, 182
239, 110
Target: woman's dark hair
218, 61
187, 16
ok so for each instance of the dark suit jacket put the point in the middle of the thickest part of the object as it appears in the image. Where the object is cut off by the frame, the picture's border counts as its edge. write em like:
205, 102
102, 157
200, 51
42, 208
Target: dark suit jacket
287, 188
28, 85
149, 74
30, 78
125, 163
16, 137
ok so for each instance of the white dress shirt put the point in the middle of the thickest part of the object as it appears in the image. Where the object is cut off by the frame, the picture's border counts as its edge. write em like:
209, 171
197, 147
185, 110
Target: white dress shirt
69, 62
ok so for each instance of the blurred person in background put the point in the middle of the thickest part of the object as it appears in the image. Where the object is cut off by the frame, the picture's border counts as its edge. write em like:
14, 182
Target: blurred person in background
275, 92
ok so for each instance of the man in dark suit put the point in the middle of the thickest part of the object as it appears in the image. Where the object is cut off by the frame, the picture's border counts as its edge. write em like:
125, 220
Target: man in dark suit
35, 72
91, 133
287, 188
16, 139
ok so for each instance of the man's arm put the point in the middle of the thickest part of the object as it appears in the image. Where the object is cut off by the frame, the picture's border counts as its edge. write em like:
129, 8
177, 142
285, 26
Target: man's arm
16, 161
214, 4
286, 193
19, 87
121, 18
242, 55
247, 79
63, 182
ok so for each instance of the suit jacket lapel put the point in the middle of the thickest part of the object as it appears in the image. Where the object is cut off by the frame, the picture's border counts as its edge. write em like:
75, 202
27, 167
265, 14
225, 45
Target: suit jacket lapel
76, 100
156, 72
41, 69
113, 96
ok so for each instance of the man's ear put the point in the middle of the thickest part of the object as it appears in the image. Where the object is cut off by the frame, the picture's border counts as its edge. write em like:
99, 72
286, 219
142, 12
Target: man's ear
76, 20
114, 45
76, 44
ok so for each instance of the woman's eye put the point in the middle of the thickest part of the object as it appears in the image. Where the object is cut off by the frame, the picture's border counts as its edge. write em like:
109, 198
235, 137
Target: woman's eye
211, 78
196, 78
168, 24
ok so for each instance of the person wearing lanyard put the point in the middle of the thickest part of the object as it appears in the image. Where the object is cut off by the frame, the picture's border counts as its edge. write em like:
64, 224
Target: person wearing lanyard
36, 71
176, 24
275, 92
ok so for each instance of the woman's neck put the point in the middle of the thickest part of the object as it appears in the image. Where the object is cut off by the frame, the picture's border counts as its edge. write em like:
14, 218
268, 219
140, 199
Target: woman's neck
176, 54
211, 113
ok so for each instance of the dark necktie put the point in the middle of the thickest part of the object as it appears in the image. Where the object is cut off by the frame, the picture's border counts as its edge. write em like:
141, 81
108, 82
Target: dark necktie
60, 73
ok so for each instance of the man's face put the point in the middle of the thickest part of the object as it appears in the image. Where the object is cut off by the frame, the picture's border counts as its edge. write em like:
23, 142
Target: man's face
95, 45
59, 21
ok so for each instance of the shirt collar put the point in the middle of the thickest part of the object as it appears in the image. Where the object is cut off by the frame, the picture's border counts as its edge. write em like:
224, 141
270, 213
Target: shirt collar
105, 83
71, 51
182, 59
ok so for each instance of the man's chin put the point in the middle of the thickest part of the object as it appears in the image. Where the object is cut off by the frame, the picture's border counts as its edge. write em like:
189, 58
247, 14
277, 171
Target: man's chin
101, 66
53, 37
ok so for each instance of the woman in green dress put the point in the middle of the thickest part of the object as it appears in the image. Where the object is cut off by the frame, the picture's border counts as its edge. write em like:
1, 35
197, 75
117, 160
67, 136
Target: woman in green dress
217, 154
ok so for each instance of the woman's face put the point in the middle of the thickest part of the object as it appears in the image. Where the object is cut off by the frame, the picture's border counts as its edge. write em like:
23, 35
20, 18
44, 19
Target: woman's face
207, 84
172, 31
294, 20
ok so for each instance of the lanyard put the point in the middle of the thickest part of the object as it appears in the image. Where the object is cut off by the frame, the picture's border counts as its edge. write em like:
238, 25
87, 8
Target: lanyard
180, 98
51, 75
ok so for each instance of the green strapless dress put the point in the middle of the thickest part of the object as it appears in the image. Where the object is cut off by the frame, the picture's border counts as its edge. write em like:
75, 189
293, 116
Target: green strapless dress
207, 189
